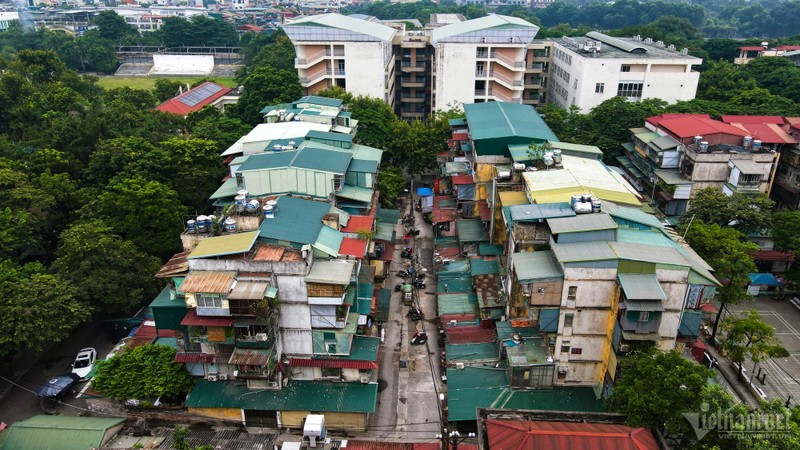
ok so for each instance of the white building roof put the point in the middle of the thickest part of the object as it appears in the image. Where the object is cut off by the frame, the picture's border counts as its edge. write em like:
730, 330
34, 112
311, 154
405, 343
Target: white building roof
267, 132
490, 22
346, 23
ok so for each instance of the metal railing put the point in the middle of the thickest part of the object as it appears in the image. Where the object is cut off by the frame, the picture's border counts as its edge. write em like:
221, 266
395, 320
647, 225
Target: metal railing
508, 61
509, 81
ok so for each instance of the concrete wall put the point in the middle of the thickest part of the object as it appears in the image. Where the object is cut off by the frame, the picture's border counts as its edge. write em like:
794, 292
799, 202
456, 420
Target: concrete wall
232, 414
365, 68
333, 420
455, 75
182, 65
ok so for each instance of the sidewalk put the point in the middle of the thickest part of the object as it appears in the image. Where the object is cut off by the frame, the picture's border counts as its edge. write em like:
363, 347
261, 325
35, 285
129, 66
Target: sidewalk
732, 377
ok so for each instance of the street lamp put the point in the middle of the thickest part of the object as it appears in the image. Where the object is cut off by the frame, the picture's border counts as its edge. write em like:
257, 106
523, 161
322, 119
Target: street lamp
450, 440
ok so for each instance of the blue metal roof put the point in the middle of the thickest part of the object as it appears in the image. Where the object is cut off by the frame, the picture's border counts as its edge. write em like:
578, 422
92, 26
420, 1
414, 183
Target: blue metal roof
296, 220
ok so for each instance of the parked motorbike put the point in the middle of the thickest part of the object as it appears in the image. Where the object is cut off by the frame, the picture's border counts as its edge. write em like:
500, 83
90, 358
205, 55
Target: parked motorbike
407, 252
419, 338
419, 284
398, 287
403, 274
415, 314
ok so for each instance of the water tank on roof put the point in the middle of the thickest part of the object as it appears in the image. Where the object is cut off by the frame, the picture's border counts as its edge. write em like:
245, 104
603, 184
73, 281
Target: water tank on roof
230, 224
277, 148
201, 224
191, 226
756, 145
210, 221
582, 207
586, 197
274, 204
576, 198
240, 201
597, 205
557, 156
697, 140
548, 159
252, 206
747, 141
242, 192
268, 212
703, 146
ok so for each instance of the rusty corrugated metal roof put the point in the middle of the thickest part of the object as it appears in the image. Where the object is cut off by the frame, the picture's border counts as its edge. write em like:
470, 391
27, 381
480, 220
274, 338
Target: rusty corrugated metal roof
208, 281
248, 290
177, 265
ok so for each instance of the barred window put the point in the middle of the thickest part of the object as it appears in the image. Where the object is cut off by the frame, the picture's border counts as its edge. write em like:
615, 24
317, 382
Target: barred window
630, 90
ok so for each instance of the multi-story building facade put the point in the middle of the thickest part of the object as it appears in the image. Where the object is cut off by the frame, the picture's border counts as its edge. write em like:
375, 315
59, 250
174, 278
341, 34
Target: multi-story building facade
675, 155
493, 58
336, 50
589, 70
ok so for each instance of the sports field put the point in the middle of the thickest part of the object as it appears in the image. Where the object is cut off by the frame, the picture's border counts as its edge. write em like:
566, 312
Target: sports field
148, 83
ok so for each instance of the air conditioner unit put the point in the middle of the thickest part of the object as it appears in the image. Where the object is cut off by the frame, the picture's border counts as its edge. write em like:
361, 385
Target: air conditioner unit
211, 378
624, 348
459, 366
223, 377
562, 370
261, 337
272, 384
365, 379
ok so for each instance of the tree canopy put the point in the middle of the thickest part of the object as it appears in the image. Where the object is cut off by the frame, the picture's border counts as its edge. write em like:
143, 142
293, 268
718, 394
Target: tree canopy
143, 372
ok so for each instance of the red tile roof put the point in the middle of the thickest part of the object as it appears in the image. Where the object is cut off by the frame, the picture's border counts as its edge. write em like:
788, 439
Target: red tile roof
193, 320
357, 223
690, 125
353, 247
520, 434
176, 106
255, 28
460, 137
448, 252
444, 215
788, 48
752, 119
752, 48
468, 334
767, 133
334, 364
765, 255
462, 179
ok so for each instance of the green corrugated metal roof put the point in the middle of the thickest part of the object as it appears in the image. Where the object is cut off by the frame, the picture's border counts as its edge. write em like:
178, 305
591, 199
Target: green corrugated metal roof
664, 142
471, 388
328, 241
520, 153
505, 330
317, 100
321, 396
356, 193
582, 399
640, 252
363, 166
644, 305
388, 215
583, 251
454, 284
458, 303
490, 250
485, 23
228, 189
363, 348
646, 237
634, 215
647, 136
491, 120
331, 272
581, 223
322, 160
296, 220
471, 230
540, 212
329, 136
384, 232
231, 244
272, 292
346, 23
672, 177
165, 300
536, 265
452, 168
472, 352
273, 160
457, 122
581, 150
344, 216
629, 166
457, 268
365, 293
480, 266
384, 303
58, 433
641, 286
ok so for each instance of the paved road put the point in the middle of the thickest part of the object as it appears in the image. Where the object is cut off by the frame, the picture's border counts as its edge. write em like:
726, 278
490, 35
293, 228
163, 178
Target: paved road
783, 374
17, 402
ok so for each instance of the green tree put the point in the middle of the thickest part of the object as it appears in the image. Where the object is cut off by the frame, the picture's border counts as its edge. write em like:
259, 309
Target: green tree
375, 117
136, 97
165, 89
723, 80
109, 273
728, 252
113, 27
609, 123
786, 231
743, 212
390, 185
198, 170
143, 372
176, 32
39, 309
265, 86
146, 212
125, 155
656, 388
749, 336
17, 234
279, 54
209, 123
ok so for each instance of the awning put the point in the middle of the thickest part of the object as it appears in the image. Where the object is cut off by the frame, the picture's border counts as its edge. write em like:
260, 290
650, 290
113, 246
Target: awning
748, 167
764, 279
193, 320
334, 363
643, 305
631, 336
356, 193
641, 286
248, 290
250, 357
208, 282
204, 358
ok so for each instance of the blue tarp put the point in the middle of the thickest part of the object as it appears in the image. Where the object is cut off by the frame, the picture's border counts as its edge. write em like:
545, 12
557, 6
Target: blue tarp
424, 192
764, 279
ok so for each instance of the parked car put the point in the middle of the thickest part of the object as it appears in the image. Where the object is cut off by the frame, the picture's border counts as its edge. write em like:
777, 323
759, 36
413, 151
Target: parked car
84, 362
58, 386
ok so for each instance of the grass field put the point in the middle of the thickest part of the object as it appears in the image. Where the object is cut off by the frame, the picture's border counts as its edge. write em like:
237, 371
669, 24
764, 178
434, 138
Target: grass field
148, 83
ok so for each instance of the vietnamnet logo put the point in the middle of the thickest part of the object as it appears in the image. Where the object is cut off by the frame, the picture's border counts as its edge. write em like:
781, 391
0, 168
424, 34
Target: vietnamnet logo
731, 422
